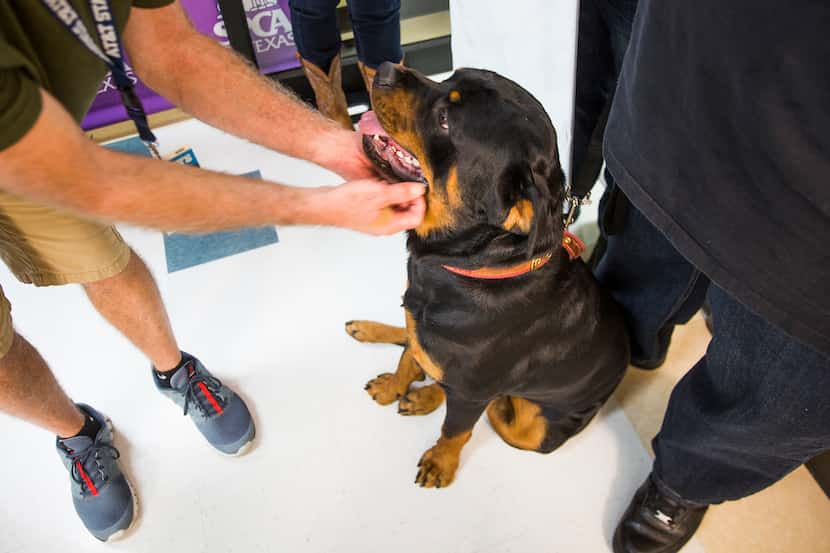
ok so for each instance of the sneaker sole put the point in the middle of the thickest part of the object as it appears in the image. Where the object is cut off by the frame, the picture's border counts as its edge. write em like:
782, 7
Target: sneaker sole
244, 448
124, 533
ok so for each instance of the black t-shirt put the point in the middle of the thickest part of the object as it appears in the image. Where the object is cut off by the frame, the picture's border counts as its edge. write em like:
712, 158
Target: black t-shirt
720, 135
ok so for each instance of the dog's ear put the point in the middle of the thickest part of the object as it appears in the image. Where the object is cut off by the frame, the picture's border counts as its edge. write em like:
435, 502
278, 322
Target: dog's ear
510, 205
522, 203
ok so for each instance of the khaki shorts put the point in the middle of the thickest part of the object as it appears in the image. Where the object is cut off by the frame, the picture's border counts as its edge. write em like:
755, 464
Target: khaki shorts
46, 247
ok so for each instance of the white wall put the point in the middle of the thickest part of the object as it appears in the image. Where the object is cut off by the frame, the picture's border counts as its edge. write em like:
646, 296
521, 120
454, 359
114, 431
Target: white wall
529, 41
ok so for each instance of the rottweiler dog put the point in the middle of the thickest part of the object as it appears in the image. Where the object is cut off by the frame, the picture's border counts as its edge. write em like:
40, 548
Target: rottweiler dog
499, 312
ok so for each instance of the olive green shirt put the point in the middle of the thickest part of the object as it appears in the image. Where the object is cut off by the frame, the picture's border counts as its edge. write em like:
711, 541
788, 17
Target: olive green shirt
36, 50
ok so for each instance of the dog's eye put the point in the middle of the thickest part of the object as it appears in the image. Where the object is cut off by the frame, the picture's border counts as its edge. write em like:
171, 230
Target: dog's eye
442, 119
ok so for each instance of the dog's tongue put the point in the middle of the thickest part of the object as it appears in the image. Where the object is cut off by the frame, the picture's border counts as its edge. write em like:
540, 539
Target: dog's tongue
370, 125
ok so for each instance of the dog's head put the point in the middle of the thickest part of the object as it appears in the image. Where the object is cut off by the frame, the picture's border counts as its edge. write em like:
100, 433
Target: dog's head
484, 146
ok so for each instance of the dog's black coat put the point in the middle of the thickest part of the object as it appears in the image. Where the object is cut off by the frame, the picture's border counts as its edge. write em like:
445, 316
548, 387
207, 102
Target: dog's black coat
551, 336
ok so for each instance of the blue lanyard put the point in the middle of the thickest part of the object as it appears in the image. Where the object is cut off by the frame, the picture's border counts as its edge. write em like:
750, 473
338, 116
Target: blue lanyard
110, 52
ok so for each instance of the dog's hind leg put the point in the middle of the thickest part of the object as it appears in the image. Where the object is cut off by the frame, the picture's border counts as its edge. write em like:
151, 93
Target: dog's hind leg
376, 333
439, 464
525, 424
388, 387
518, 421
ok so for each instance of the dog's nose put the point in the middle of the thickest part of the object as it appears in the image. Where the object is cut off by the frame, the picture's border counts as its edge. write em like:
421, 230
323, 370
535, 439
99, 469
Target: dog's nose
387, 74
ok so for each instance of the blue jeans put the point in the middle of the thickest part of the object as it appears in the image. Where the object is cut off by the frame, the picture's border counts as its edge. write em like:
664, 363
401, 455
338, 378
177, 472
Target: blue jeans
754, 408
376, 24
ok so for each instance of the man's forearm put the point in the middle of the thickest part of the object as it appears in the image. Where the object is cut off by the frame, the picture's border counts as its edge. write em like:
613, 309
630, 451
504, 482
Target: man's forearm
170, 196
217, 86
54, 163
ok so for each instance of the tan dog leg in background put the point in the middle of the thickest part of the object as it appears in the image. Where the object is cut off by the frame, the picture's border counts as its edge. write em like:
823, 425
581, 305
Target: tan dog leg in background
387, 387
422, 401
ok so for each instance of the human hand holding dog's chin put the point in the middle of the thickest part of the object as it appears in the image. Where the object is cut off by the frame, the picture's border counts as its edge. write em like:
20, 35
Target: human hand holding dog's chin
372, 206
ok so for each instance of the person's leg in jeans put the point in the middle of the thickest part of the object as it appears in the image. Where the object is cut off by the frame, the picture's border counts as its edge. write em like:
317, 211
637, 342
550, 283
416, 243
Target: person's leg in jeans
657, 289
317, 37
316, 34
655, 285
377, 35
377, 30
751, 410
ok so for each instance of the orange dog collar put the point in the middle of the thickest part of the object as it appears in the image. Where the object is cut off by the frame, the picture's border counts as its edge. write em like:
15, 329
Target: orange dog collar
572, 244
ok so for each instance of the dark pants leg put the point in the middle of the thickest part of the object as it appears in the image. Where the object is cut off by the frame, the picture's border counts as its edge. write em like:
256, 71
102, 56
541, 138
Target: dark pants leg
377, 30
654, 284
316, 33
752, 410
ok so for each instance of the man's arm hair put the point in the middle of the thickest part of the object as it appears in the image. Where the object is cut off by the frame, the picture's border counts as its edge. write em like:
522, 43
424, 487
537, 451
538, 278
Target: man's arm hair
219, 87
56, 164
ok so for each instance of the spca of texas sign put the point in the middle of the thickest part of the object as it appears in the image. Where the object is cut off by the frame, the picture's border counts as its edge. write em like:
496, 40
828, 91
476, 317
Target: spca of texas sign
271, 36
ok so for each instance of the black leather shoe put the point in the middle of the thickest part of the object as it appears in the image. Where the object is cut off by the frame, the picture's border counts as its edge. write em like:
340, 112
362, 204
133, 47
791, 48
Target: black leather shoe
655, 523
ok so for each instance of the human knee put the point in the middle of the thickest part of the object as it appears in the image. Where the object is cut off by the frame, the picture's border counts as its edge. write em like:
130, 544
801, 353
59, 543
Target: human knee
134, 267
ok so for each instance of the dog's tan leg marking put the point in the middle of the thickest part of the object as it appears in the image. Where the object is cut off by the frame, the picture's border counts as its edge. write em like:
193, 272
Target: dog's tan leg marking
439, 463
421, 357
421, 401
518, 421
389, 387
376, 333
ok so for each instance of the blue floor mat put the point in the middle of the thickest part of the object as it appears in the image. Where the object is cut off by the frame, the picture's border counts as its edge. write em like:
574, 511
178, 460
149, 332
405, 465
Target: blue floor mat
189, 250
130, 146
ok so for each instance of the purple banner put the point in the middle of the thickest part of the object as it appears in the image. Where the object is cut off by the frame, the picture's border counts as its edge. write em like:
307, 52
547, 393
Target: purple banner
269, 23
271, 35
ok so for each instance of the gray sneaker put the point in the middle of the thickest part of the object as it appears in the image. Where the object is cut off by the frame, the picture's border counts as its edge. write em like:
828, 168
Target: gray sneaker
219, 414
102, 497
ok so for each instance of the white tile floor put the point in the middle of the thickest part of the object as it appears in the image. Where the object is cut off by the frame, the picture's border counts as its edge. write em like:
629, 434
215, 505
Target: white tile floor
331, 471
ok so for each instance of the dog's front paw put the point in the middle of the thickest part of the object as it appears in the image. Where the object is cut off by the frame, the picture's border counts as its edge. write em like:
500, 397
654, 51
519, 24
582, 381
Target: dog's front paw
421, 401
357, 330
384, 389
436, 468
372, 332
